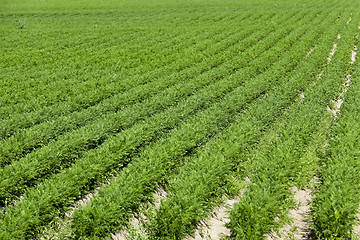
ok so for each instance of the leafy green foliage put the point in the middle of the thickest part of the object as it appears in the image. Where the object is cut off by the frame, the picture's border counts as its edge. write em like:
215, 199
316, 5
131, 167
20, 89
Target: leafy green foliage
173, 93
278, 167
337, 200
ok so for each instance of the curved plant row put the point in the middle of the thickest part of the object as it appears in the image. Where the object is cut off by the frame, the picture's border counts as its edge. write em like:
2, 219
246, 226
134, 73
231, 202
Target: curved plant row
132, 52
153, 167
337, 197
121, 97
30, 170
109, 85
201, 182
89, 171
27, 140
278, 167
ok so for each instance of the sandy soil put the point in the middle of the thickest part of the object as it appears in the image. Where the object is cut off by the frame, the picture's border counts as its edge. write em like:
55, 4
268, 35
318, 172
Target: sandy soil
214, 228
349, 21
311, 50
356, 229
299, 228
331, 54
338, 103
333, 50
137, 223
159, 195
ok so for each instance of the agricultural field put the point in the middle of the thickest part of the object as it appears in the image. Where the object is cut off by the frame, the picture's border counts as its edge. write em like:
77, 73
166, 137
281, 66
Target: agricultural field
179, 119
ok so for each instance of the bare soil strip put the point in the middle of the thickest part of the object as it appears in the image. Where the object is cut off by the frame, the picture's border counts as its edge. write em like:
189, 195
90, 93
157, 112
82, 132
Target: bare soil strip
333, 50
159, 195
136, 229
331, 54
311, 50
214, 228
349, 21
337, 103
300, 227
356, 230
85, 200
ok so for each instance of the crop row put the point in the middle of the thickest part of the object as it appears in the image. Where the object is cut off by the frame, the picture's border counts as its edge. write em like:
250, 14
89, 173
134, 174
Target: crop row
205, 178
73, 87
185, 62
130, 40
59, 154
133, 91
278, 167
337, 199
154, 166
117, 151
67, 75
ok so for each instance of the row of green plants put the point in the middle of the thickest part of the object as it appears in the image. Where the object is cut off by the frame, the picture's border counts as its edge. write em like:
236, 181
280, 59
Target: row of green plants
200, 183
337, 198
157, 163
117, 151
93, 70
64, 71
278, 167
131, 49
108, 85
27, 140
38, 165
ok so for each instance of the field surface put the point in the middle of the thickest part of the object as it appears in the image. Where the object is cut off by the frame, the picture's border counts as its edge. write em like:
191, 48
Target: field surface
179, 119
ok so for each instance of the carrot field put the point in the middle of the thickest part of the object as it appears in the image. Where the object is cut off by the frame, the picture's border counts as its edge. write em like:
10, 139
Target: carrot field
179, 119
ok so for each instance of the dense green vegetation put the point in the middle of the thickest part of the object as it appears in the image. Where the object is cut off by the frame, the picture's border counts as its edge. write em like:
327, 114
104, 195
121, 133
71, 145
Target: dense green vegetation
337, 201
191, 96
